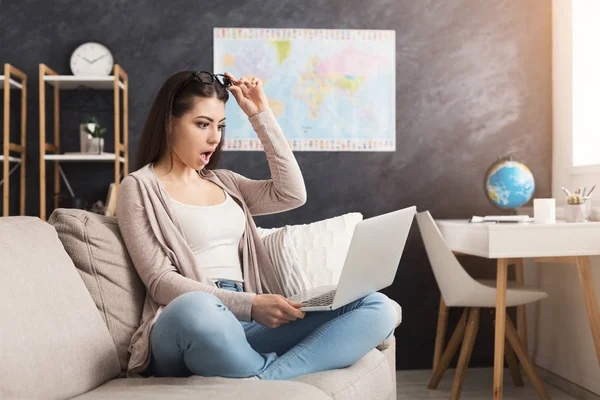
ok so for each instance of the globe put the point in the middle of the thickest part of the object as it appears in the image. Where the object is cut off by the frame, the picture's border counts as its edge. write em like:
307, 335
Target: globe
509, 184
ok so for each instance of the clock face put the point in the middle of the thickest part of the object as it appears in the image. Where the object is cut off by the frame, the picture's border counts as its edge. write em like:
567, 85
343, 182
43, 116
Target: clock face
91, 59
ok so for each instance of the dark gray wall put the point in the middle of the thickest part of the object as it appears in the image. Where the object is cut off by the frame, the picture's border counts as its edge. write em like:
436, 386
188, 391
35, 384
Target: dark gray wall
473, 84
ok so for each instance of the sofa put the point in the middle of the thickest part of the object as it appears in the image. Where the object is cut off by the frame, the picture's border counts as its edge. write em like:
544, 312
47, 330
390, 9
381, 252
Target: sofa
70, 301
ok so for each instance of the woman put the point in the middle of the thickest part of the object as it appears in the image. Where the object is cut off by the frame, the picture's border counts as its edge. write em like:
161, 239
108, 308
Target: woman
212, 307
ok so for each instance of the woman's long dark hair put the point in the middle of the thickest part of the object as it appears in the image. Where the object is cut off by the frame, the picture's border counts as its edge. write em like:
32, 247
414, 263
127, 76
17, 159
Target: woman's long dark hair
173, 101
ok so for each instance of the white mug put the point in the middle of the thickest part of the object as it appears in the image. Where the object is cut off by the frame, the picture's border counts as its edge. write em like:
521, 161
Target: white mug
544, 211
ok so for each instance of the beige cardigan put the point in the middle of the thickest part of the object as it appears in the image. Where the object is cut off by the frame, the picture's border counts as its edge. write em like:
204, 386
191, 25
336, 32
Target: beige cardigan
161, 255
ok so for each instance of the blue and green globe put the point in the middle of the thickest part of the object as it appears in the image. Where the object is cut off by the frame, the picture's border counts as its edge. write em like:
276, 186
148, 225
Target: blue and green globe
509, 184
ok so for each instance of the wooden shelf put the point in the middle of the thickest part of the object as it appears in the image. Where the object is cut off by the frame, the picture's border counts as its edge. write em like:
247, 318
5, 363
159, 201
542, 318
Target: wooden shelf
14, 79
70, 82
13, 84
82, 157
50, 149
11, 159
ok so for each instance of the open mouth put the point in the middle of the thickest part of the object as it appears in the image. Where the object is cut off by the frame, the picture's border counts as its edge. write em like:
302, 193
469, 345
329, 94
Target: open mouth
206, 156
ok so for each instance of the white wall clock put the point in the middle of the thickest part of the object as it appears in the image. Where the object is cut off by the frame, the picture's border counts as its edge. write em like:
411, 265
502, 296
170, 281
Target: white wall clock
91, 58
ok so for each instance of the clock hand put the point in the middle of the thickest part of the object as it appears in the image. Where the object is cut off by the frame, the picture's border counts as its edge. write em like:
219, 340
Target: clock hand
99, 58
86, 59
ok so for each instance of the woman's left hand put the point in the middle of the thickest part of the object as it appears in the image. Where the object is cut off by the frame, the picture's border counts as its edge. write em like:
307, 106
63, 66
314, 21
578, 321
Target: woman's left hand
249, 94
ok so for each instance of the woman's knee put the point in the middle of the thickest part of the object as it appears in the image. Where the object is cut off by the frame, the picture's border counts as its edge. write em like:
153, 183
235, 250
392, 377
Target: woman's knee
196, 300
196, 313
386, 312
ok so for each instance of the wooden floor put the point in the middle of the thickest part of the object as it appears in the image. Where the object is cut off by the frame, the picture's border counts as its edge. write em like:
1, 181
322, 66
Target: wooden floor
478, 385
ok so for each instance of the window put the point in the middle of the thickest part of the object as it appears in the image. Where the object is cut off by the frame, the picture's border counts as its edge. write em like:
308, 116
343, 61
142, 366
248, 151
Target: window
586, 82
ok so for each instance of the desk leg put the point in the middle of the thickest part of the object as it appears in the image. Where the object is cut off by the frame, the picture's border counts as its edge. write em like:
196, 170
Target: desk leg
500, 327
591, 302
521, 315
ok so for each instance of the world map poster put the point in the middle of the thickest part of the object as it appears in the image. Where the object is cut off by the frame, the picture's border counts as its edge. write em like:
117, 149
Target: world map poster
330, 89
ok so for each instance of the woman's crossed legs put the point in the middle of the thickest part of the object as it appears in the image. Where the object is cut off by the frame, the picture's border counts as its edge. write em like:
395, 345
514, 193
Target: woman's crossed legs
197, 335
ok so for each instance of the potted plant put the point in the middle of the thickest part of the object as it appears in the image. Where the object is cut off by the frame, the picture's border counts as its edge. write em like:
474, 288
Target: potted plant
95, 133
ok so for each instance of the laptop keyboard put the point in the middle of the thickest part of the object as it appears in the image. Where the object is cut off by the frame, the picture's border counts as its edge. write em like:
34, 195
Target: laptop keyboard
324, 299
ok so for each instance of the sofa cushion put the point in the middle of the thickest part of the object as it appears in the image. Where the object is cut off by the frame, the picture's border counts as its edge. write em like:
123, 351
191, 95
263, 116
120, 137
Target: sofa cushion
282, 253
322, 243
56, 345
389, 352
95, 245
197, 387
368, 378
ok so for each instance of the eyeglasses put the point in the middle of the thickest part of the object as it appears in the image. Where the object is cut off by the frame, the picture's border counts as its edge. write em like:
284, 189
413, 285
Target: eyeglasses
204, 77
208, 78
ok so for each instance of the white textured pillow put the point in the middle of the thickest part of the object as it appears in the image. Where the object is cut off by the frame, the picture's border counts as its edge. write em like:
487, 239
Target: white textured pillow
262, 232
283, 255
321, 246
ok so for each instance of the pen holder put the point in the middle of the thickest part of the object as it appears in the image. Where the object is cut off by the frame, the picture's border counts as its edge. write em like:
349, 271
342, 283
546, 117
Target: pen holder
588, 210
575, 212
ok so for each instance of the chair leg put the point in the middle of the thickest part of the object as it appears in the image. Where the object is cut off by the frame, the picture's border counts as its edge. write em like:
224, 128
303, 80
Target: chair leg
465, 353
517, 345
440, 336
511, 360
455, 340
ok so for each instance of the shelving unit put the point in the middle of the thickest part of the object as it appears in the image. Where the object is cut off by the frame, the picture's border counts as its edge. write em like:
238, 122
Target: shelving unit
11, 82
68, 82
118, 82
13, 79
83, 157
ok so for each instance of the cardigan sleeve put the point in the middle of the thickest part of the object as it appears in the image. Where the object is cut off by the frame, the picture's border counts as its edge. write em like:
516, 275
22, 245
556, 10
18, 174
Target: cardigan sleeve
285, 190
155, 268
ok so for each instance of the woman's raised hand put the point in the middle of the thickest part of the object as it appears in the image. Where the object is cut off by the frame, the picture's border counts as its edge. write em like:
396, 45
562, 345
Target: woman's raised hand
249, 94
273, 310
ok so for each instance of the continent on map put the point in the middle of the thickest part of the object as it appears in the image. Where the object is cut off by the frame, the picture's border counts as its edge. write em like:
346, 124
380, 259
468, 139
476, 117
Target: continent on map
312, 88
282, 47
276, 106
228, 60
320, 77
260, 61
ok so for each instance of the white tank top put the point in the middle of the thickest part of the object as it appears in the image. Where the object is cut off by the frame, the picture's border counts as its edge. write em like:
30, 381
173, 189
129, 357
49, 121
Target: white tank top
214, 233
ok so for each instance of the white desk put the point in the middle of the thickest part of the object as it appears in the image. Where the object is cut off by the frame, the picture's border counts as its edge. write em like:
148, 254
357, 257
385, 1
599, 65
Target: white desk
571, 243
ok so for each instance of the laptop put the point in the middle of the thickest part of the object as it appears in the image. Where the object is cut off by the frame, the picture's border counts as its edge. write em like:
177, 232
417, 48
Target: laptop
371, 262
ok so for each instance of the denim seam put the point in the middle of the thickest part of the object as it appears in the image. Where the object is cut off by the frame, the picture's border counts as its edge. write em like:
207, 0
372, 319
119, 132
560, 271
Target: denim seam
295, 356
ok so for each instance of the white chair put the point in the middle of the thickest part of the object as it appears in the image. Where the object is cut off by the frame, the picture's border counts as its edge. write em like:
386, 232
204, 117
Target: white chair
459, 289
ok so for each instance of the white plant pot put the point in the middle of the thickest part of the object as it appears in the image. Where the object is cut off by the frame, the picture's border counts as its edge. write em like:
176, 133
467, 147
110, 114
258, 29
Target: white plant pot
95, 145
575, 212
83, 139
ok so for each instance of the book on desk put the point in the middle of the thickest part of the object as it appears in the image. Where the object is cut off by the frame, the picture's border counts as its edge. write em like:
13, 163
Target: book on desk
502, 219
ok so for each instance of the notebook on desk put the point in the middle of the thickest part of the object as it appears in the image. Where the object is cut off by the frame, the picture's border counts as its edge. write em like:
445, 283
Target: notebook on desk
502, 218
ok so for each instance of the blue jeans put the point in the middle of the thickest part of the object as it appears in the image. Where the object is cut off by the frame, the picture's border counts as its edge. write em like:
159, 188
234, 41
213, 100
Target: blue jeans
197, 335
